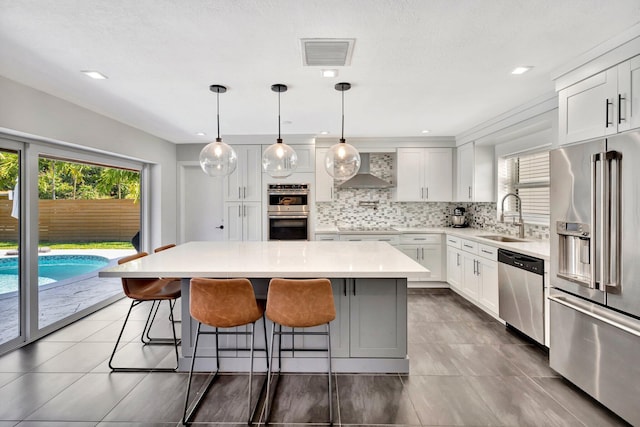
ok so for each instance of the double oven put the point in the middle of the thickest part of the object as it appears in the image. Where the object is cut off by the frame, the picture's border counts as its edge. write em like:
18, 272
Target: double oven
288, 211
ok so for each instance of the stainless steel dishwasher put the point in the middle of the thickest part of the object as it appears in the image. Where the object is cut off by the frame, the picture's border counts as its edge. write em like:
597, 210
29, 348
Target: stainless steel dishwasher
521, 293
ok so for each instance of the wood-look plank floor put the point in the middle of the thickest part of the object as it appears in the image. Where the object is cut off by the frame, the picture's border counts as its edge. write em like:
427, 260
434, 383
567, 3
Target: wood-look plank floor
466, 370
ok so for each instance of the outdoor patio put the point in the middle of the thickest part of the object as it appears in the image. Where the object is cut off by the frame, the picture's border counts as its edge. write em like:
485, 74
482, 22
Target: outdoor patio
65, 298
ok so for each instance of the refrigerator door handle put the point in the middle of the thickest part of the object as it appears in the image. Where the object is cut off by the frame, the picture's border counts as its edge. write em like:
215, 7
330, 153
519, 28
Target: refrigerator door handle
595, 312
596, 227
614, 195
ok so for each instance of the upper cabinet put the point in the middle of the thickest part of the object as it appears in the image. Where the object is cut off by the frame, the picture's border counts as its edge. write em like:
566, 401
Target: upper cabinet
424, 175
245, 183
474, 176
601, 105
324, 181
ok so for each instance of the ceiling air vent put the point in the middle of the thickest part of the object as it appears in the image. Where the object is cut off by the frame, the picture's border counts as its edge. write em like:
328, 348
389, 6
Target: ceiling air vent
327, 52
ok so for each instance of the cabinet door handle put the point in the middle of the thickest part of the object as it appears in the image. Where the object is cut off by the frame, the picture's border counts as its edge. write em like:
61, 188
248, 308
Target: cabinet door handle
607, 104
422, 250
417, 253
422, 192
457, 260
478, 269
467, 246
244, 210
620, 99
354, 287
245, 193
239, 211
427, 193
475, 271
487, 252
469, 192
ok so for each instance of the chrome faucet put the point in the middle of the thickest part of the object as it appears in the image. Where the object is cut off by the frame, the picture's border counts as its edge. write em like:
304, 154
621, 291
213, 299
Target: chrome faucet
520, 224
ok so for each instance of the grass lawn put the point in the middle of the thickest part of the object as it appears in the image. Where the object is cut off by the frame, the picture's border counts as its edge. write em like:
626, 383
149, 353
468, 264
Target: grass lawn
75, 245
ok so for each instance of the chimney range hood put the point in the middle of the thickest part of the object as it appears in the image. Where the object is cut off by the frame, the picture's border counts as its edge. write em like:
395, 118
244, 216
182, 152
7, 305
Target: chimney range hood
363, 178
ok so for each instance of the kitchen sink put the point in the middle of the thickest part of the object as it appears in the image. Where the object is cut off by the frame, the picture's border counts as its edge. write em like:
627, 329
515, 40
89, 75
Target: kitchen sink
499, 238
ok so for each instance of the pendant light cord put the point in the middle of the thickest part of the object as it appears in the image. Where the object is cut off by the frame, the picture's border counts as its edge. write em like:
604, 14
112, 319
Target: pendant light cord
218, 112
342, 135
279, 139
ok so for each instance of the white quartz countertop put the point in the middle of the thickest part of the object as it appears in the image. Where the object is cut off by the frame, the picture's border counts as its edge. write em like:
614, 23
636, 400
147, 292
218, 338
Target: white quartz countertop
532, 247
292, 259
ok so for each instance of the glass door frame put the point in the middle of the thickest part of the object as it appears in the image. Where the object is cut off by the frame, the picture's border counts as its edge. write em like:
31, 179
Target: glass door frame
10, 145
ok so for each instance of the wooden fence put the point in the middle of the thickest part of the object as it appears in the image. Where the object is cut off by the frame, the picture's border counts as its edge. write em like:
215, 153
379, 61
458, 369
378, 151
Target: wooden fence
78, 220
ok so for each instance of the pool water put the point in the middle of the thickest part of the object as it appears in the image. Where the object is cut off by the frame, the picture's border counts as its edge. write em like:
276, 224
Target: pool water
51, 268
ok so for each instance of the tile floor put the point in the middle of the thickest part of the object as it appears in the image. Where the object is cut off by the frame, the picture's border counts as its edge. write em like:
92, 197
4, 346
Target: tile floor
466, 369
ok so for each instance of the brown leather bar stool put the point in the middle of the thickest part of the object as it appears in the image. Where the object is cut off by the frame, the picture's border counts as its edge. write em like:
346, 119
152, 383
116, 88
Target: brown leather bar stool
145, 337
142, 290
223, 303
299, 304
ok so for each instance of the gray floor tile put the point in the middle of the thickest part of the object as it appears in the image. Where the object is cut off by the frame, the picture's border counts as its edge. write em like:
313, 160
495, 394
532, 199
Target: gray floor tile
7, 377
375, 399
481, 360
530, 359
88, 399
158, 398
518, 401
27, 393
110, 333
431, 359
135, 354
27, 358
77, 331
226, 401
302, 399
587, 410
56, 424
8, 423
82, 357
442, 400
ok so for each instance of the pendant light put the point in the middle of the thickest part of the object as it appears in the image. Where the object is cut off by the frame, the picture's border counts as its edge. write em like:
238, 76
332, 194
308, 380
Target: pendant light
279, 160
218, 159
342, 161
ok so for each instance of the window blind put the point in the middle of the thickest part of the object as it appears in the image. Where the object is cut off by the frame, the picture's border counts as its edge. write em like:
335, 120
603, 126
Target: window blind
528, 176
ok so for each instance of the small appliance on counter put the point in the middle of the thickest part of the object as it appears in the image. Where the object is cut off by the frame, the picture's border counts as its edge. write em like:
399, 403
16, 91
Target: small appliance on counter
458, 219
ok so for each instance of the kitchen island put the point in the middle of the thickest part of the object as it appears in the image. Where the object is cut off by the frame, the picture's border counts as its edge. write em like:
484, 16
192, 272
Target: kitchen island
369, 281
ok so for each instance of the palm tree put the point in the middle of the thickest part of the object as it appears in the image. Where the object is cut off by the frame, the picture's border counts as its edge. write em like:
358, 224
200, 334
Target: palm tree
9, 168
118, 178
76, 172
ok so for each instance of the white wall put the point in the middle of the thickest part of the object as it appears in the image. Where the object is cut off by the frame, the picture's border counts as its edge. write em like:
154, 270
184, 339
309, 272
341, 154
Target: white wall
27, 112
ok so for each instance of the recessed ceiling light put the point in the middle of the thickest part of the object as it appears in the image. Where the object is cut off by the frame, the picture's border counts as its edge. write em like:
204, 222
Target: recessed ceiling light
94, 74
426, 131
329, 73
324, 132
201, 134
287, 122
521, 70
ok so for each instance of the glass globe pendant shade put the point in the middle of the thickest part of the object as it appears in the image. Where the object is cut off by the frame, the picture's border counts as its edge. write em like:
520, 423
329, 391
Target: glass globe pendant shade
218, 159
279, 160
342, 161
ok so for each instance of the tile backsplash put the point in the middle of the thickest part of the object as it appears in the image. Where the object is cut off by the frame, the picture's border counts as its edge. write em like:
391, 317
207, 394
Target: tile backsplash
376, 208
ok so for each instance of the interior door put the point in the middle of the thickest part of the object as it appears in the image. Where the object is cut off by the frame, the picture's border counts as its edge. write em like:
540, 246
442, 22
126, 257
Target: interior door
201, 209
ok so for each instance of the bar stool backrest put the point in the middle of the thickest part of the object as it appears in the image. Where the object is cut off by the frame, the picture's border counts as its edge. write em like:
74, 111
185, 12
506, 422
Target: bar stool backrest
300, 303
223, 303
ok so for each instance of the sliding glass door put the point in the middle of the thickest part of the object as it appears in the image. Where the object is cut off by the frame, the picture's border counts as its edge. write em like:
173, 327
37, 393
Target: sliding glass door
12, 330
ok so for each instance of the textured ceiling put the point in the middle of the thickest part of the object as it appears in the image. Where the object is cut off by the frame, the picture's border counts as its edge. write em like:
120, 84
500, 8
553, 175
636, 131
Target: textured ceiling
442, 65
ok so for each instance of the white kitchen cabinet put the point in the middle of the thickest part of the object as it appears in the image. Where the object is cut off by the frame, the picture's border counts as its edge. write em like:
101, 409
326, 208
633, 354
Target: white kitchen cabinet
601, 105
245, 183
392, 239
474, 173
424, 175
426, 249
472, 270
243, 221
324, 181
306, 157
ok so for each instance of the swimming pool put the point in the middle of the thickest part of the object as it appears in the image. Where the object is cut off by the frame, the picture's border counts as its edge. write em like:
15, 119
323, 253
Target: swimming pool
51, 268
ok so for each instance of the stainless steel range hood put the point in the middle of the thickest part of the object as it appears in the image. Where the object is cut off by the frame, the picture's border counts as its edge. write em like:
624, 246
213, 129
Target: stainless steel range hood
363, 178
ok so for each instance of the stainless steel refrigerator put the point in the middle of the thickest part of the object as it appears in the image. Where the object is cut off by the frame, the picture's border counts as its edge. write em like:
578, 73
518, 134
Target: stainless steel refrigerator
595, 270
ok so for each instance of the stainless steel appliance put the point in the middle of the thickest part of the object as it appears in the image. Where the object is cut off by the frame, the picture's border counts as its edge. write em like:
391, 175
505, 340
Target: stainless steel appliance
595, 270
521, 293
457, 219
288, 211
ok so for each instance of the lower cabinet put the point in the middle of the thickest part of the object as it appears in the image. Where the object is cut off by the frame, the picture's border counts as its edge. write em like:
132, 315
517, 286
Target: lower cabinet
472, 270
426, 249
371, 320
243, 221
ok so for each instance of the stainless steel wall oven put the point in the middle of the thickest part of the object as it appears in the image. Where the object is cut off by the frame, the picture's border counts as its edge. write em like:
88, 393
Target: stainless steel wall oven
288, 211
